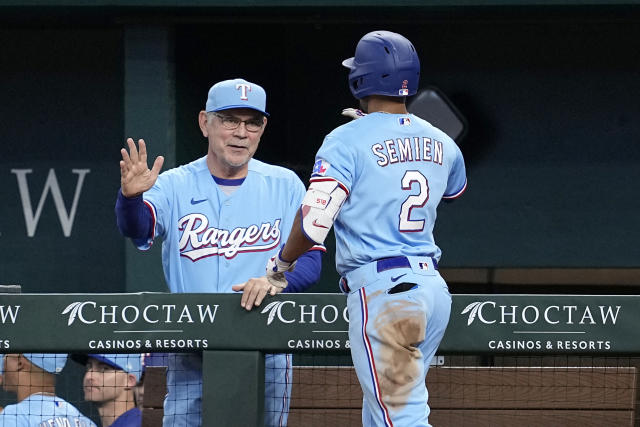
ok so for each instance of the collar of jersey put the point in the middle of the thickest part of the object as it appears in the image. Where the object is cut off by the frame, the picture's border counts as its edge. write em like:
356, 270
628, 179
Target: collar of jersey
228, 182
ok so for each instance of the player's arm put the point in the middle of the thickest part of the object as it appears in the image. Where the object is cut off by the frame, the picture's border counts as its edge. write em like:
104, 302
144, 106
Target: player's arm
457, 179
312, 223
134, 219
307, 271
305, 274
319, 209
282, 275
297, 244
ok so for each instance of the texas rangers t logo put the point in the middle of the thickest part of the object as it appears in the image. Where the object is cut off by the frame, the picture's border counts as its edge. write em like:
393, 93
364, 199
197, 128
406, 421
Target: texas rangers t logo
244, 88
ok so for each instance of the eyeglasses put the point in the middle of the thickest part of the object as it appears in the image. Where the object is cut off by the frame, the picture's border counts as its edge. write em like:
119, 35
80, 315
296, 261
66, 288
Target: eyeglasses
230, 122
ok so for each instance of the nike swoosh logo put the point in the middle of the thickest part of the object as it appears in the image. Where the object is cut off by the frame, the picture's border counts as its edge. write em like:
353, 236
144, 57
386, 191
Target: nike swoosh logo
195, 202
318, 225
394, 279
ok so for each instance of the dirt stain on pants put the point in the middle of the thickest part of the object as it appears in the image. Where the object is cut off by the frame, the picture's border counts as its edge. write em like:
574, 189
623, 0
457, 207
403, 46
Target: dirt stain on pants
398, 329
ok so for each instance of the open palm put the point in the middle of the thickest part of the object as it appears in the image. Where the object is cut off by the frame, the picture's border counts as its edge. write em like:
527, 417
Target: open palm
135, 175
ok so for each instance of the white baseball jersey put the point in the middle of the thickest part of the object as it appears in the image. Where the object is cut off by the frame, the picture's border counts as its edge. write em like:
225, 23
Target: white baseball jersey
212, 240
396, 168
43, 410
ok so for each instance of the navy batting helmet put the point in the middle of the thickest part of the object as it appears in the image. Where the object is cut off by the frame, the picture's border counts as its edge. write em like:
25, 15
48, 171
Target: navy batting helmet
385, 63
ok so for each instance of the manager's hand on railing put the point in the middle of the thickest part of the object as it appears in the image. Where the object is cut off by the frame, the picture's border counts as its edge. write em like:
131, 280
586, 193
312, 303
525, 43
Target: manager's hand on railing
254, 291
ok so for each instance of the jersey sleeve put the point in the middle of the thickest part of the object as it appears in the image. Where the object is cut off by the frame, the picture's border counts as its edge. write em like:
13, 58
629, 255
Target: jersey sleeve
335, 159
457, 180
298, 191
306, 273
133, 218
309, 266
157, 200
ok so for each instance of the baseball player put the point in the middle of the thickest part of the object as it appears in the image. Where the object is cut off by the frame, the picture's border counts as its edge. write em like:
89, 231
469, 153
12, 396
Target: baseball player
218, 217
378, 180
109, 381
32, 376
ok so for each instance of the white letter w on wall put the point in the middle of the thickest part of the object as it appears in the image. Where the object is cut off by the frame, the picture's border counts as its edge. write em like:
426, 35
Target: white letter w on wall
66, 218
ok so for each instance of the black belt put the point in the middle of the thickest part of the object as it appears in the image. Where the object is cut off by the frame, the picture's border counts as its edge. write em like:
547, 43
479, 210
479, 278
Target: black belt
385, 264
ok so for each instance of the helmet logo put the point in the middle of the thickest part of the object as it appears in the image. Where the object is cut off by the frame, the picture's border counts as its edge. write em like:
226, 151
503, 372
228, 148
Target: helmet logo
404, 91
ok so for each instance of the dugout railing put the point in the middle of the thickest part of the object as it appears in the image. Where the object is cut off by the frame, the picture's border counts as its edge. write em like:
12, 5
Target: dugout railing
233, 341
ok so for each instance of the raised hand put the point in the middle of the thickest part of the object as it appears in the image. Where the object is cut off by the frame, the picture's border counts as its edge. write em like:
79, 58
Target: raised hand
135, 175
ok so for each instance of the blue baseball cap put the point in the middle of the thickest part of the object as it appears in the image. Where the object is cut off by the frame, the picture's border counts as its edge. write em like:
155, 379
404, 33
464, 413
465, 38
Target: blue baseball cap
236, 93
50, 362
130, 363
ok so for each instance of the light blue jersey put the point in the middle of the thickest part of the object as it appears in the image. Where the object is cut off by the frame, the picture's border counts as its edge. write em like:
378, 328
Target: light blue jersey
43, 410
396, 169
211, 240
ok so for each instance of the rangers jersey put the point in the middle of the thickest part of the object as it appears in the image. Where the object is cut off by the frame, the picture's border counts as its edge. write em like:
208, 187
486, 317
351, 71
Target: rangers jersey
43, 410
212, 240
389, 162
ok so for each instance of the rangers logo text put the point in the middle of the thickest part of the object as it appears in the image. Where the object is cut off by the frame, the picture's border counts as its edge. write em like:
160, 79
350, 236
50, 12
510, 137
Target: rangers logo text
199, 240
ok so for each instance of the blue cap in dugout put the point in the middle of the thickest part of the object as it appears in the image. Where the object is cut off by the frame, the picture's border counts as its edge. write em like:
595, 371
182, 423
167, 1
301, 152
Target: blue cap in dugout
50, 362
130, 363
236, 93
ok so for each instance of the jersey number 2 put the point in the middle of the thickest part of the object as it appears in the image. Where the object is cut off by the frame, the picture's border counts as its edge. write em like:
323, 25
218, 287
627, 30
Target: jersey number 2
408, 225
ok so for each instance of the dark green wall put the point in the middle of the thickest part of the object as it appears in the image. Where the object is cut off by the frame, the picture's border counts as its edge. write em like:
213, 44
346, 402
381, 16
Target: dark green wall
550, 95
61, 109
552, 147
